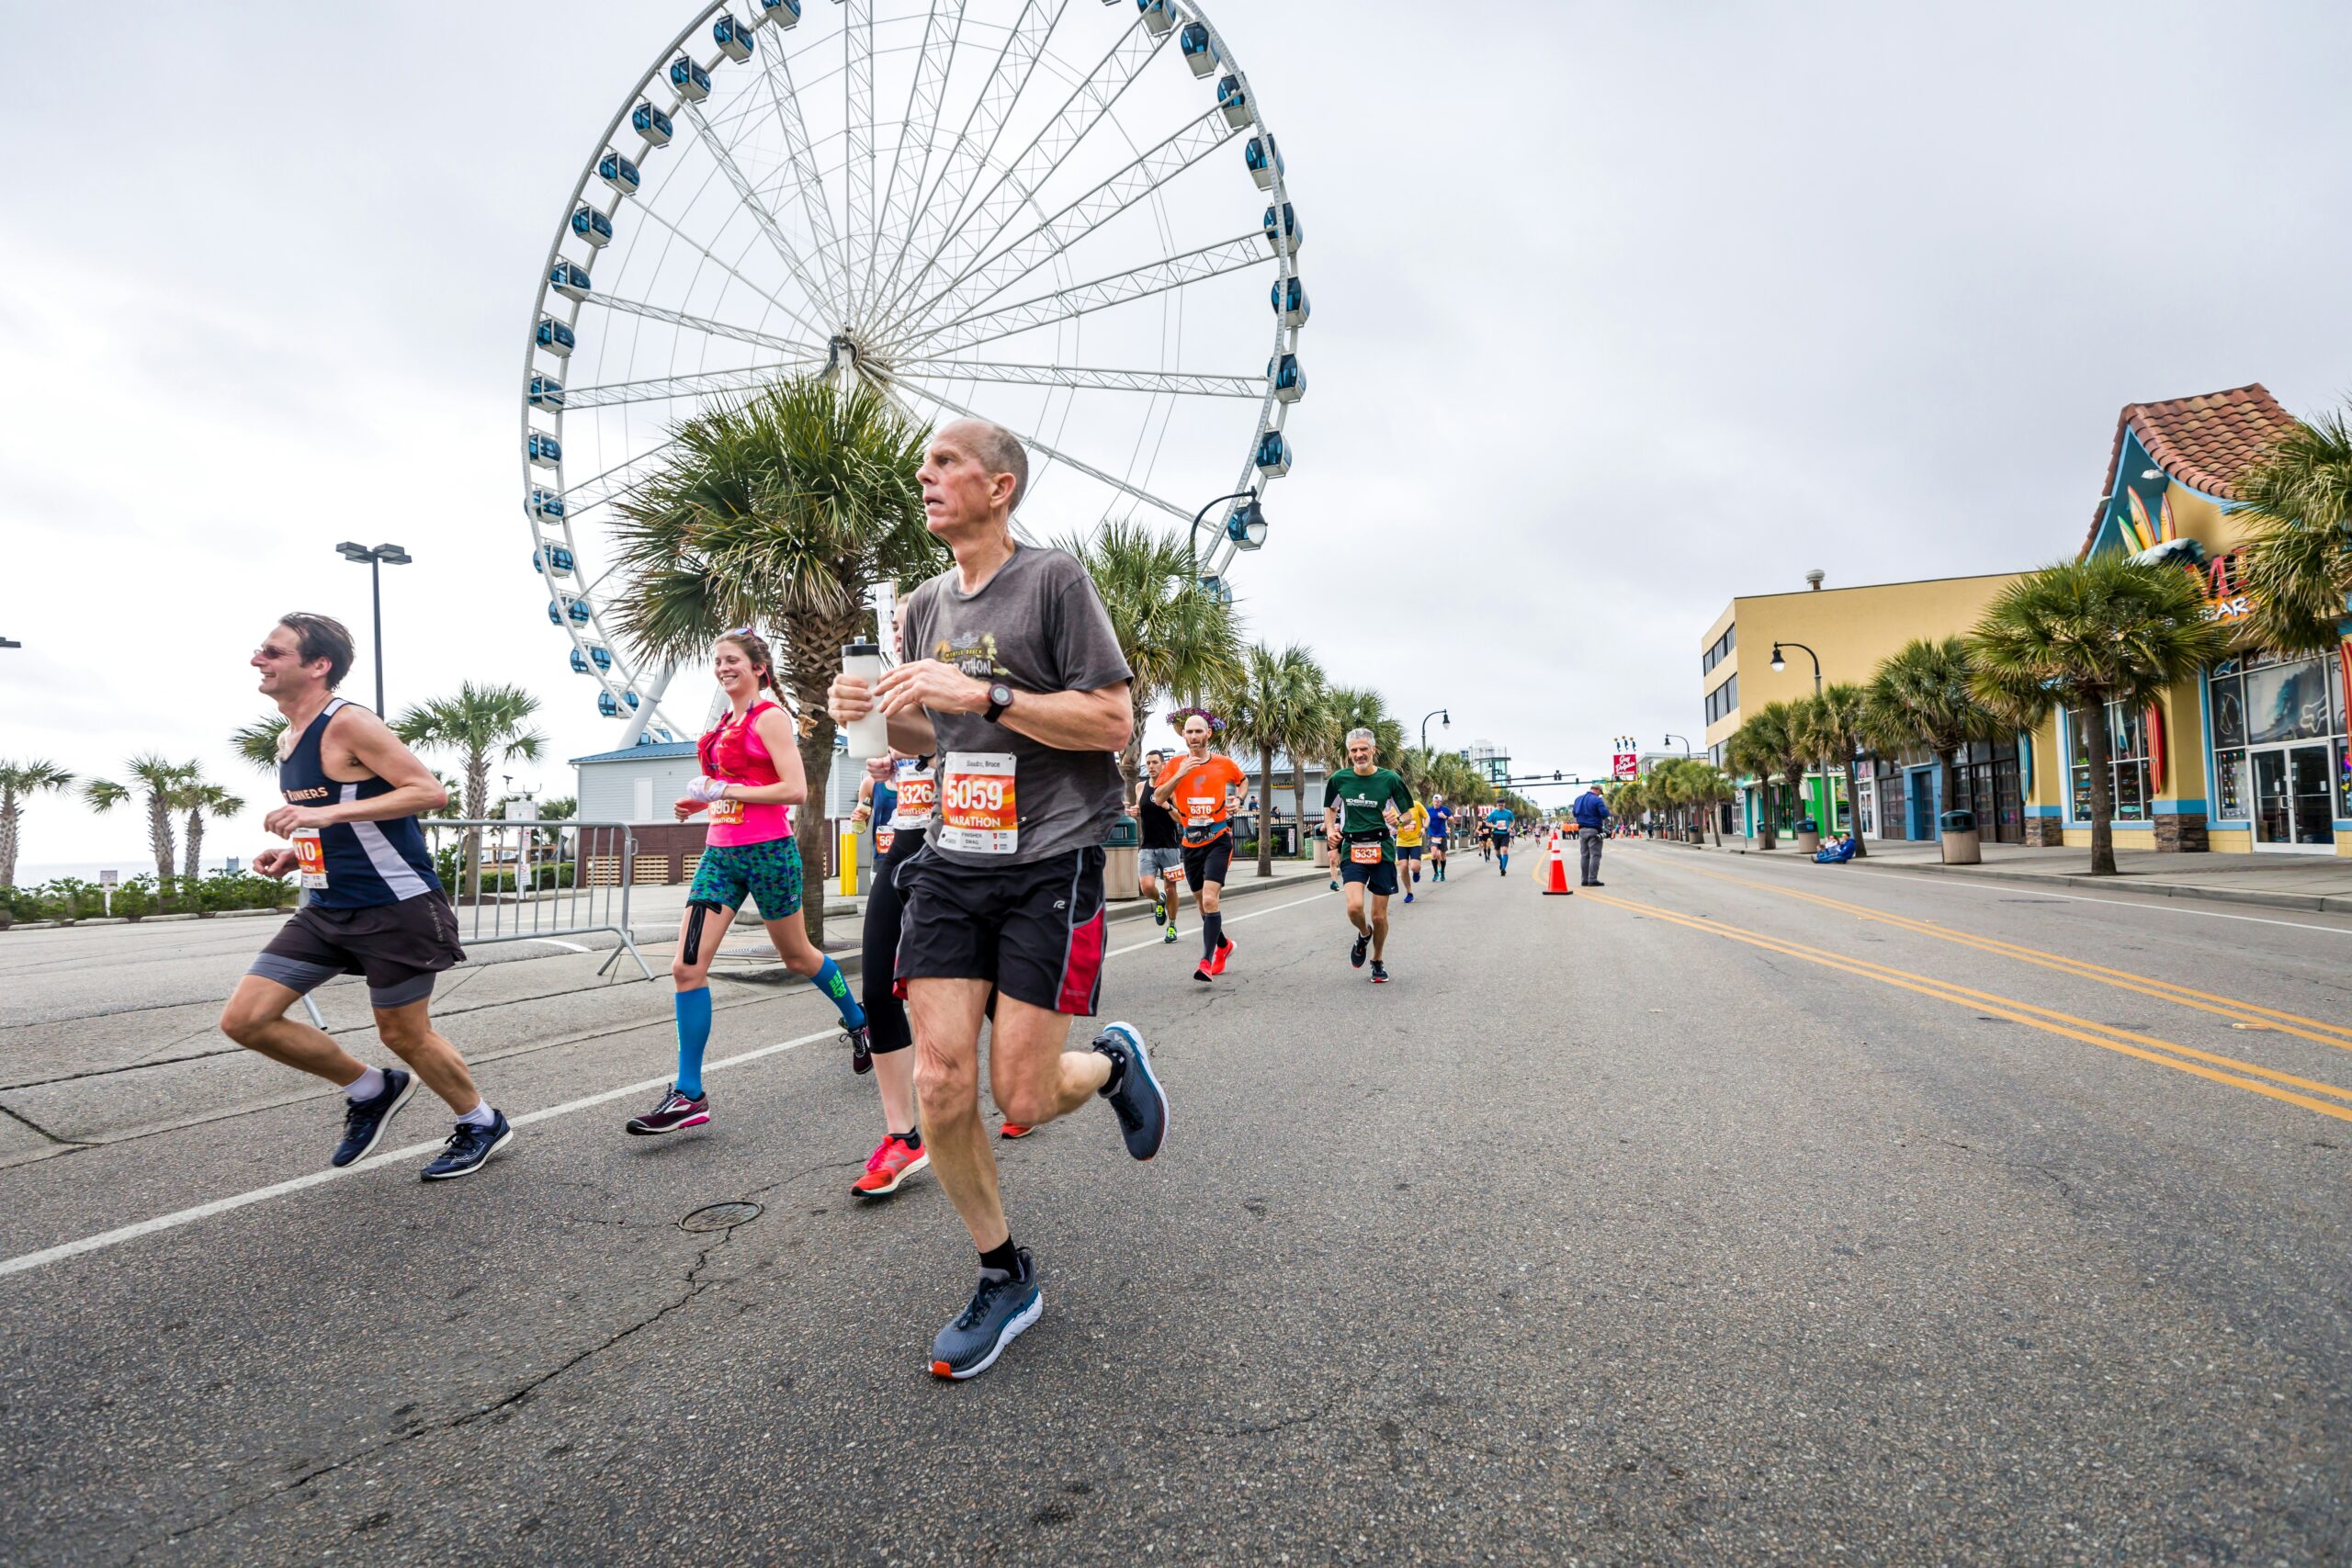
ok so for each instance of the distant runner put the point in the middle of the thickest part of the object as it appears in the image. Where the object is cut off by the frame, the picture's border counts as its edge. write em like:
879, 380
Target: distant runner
1202, 788
1015, 681
1440, 825
1360, 806
1410, 826
374, 907
1498, 822
750, 777
1160, 866
1591, 810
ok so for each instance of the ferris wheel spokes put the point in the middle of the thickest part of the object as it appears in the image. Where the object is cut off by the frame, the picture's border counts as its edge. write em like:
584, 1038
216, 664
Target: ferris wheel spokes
1036, 445
1079, 299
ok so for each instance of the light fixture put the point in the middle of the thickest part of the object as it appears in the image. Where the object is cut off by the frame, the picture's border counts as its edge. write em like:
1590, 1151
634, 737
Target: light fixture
1778, 663
1246, 527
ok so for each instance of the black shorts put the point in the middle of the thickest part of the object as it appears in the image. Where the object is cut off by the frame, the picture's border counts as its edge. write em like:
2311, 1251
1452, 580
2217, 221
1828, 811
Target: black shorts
885, 1016
1035, 931
1408, 852
1209, 862
1380, 878
400, 947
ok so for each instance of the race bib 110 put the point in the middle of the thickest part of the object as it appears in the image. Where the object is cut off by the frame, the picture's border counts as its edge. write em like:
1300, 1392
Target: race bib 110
310, 857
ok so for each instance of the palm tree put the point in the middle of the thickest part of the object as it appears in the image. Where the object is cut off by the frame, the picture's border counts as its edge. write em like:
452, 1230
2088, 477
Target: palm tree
1837, 725
2297, 563
1759, 747
482, 725
1359, 707
256, 743
1273, 704
159, 782
18, 783
1923, 694
784, 509
196, 797
2082, 635
1177, 640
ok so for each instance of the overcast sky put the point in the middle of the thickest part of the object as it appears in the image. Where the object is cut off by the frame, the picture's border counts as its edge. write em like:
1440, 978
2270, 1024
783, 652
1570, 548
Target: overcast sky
1620, 308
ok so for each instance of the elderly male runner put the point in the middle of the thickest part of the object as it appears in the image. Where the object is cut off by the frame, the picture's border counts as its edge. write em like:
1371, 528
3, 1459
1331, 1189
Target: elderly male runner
353, 793
1014, 680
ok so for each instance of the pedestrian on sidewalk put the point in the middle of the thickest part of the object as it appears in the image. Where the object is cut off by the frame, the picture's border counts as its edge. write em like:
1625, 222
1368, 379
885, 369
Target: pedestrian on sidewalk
1591, 813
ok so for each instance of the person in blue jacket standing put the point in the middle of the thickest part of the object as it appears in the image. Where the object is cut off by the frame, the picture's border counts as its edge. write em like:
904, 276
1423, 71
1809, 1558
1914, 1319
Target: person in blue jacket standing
1592, 820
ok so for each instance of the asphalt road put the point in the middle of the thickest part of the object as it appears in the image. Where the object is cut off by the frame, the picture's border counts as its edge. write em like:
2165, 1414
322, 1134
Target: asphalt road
1692, 1219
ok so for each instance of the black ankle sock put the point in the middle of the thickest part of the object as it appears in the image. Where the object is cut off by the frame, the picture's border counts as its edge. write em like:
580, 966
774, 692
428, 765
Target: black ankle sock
1212, 935
912, 1140
1005, 1258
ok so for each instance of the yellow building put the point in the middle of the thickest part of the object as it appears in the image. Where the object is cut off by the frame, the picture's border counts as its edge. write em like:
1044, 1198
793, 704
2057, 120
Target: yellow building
1851, 630
2251, 755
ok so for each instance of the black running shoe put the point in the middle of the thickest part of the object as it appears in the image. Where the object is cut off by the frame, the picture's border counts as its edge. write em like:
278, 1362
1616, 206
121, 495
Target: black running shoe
1363, 946
1134, 1093
861, 1048
469, 1148
1379, 973
1002, 1306
675, 1114
364, 1121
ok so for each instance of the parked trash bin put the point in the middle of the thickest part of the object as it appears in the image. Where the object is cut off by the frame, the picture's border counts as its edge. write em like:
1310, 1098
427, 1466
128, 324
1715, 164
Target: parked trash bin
1119, 854
1961, 845
1808, 836
1322, 850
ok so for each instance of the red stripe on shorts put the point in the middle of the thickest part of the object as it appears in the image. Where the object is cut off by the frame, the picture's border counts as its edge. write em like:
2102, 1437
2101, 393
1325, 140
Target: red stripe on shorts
1082, 969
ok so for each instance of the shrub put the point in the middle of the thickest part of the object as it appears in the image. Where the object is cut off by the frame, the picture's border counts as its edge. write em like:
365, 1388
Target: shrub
135, 900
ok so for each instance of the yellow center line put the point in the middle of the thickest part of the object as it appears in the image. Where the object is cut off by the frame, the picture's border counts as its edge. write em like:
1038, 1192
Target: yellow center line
2284, 1023
2089, 1032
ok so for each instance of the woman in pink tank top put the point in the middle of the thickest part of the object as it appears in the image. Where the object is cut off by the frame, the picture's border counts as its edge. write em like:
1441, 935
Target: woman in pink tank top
751, 779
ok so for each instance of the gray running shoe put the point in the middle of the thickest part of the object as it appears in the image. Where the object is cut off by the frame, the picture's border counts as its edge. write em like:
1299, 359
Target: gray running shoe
1133, 1091
1002, 1306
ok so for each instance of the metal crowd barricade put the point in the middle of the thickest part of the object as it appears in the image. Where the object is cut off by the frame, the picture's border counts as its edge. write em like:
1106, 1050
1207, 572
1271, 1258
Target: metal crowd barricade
539, 881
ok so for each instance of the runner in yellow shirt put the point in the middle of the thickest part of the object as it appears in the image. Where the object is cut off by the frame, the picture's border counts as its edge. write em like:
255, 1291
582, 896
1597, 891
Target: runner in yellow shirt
1410, 826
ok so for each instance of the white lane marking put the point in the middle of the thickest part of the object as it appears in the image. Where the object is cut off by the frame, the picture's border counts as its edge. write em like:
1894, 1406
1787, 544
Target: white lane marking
2169, 907
567, 946
63, 1251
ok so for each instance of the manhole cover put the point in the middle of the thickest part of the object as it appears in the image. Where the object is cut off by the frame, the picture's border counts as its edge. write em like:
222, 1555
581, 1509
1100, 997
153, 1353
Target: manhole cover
719, 1216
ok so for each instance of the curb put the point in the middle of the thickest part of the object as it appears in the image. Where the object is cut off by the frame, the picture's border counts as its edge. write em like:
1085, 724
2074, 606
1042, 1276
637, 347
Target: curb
2256, 897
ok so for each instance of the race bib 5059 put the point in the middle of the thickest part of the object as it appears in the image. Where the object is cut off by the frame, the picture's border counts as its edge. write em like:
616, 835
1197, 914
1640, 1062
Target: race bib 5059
977, 810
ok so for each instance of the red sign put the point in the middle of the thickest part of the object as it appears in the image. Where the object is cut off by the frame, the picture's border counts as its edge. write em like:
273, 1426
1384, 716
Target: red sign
1624, 765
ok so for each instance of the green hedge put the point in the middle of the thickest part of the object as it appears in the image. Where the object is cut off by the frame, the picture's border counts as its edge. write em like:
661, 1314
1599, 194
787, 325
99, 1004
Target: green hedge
70, 898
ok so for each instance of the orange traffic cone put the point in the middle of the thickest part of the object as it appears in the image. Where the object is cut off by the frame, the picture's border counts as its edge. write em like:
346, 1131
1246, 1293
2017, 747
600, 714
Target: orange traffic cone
1556, 872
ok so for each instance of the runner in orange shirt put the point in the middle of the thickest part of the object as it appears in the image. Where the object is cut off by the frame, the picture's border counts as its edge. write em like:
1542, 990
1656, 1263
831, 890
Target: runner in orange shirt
1202, 788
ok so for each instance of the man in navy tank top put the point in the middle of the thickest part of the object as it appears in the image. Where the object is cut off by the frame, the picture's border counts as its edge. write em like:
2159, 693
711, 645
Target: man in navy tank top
353, 793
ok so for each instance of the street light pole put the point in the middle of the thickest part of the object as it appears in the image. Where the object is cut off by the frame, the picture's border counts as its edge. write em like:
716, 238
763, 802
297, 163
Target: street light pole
1780, 664
1250, 531
377, 558
1436, 713
1684, 739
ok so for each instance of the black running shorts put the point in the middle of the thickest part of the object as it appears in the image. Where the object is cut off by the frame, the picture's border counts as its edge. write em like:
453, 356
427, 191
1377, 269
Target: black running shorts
1035, 932
400, 947
1209, 862
1380, 878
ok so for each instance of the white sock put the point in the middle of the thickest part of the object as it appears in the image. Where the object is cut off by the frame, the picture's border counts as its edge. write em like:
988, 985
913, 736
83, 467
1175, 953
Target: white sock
367, 1086
481, 1115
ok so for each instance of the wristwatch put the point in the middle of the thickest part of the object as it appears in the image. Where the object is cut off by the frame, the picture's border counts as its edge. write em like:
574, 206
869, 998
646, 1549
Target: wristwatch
999, 699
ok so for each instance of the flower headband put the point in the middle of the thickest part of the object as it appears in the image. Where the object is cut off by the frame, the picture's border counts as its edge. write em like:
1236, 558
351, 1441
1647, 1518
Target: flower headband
1176, 720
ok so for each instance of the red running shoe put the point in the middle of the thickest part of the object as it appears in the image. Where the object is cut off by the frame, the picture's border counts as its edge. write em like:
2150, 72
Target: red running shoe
1224, 951
1013, 1129
892, 1163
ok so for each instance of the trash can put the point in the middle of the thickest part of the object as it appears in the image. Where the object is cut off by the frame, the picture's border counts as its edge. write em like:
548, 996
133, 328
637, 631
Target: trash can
1961, 845
1119, 852
1808, 836
1322, 850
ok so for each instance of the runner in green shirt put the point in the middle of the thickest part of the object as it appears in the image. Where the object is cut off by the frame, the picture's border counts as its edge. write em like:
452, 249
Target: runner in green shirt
1360, 810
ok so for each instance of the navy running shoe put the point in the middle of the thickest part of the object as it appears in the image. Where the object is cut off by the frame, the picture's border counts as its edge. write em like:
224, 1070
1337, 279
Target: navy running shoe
1002, 1306
1363, 946
469, 1148
1379, 973
364, 1121
1134, 1093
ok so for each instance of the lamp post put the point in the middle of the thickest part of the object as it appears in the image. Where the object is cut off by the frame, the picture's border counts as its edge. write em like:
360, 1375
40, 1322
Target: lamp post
1246, 528
1684, 739
378, 559
11, 642
1445, 719
1780, 664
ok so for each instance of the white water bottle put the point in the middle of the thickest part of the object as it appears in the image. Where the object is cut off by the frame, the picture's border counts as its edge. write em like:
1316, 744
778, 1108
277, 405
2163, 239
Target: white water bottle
870, 736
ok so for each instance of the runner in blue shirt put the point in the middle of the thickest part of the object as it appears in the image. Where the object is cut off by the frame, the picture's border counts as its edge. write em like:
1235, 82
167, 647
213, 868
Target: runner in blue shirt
1499, 821
1441, 824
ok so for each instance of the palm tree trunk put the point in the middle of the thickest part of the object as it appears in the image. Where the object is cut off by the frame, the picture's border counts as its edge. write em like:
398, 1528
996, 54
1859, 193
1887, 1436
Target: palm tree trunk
8, 817
1265, 814
1854, 806
477, 803
1949, 775
159, 840
192, 866
1766, 826
2102, 788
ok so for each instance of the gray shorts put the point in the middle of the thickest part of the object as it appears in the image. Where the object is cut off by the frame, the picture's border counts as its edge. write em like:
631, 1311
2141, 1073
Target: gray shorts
1159, 863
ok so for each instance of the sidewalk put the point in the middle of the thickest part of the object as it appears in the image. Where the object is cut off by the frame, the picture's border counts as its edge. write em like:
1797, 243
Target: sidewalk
2320, 882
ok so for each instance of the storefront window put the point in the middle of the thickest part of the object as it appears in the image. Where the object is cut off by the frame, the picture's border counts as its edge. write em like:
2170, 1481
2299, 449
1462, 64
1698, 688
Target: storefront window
2227, 690
2128, 746
2276, 720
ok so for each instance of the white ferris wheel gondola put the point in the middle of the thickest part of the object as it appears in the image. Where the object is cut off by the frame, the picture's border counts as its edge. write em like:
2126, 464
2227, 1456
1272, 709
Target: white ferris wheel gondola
1020, 210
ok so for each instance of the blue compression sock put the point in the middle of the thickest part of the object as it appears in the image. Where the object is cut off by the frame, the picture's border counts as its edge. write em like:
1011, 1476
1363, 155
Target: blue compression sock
830, 979
694, 1034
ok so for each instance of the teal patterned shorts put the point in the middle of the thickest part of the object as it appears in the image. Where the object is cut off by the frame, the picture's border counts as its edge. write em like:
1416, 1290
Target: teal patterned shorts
769, 872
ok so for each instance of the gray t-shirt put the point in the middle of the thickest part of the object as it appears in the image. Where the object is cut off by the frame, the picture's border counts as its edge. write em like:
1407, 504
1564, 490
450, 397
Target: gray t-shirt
1037, 626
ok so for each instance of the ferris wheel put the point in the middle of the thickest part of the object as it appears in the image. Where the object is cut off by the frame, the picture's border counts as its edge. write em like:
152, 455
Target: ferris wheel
1060, 215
